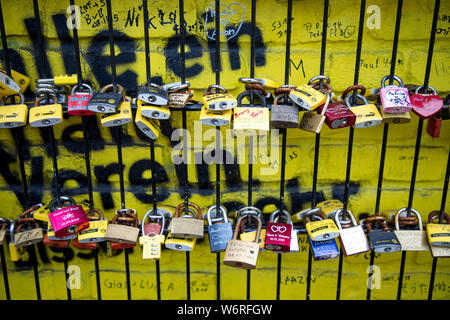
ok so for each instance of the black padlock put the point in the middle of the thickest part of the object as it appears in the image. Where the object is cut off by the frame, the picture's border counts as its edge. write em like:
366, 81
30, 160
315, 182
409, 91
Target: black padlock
105, 102
381, 240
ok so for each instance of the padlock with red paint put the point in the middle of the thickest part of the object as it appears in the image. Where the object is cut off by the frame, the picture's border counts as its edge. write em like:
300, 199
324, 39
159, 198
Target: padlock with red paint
152, 228
434, 126
426, 105
278, 235
394, 98
67, 220
56, 243
338, 114
78, 101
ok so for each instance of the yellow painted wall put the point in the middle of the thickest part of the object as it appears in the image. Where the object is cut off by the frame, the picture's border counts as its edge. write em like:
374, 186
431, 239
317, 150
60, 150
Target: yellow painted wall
305, 56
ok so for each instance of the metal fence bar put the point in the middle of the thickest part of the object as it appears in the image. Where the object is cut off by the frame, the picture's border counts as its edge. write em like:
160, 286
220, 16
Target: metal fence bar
317, 141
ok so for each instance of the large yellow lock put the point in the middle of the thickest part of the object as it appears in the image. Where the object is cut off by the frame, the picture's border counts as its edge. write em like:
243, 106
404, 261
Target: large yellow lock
307, 97
97, 228
215, 118
180, 244
152, 111
218, 100
329, 206
121, 117
438, 234
250, 236
8, 86
268, 83
367, 115
151, 246
14, 115
22, 80
42, 213
46, 115
322, 229
149, 127
67, 79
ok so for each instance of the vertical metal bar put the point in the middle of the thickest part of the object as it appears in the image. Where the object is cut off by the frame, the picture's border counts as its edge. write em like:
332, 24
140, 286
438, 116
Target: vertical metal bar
5, 273
317, 141
441, 216
386, 126
350, 136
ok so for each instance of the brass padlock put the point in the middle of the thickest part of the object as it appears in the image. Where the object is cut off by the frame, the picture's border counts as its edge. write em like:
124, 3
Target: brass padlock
15, 253
242, 254
149, 127
367, 115
411, 240
13, 115
284, 115
8, 86
179, 94
46, 115
219, 100
438, 234
151, 241
34, 232
395, 118
187, 227
123, 236
313, 122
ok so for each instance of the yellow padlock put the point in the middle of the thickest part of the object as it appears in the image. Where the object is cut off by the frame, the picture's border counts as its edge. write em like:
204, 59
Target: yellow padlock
250, 236
22, 80
151, 246
14, 115
149, 127
367, 115
215, 118
219, 100
396, 118
328, 206
121, 117
8, 86
180, 244
438, 234
42, 213
46, 115
67, 79
322, 230
268, 83
307, 97
152, 111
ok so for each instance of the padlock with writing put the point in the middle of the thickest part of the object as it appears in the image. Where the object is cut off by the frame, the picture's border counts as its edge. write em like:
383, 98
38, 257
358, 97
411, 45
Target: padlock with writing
313, 122
426, 105
46, 115
278, 235
122, 116
123, 231
353, 239
77, 103
7, 85
338, 114
394, 98
411, 240
153, 94
251, 118
151, 240
33, 233
187, 226
153, 112
149, 127
367, 115
396, 118
324, 229
219, 229
95, 233
219, 100
105, 102
13, 115
381, 240
239, 253
438, 234
15, 252
283, 115
67, 220
179, 94
307, 97
215, 118
322, 249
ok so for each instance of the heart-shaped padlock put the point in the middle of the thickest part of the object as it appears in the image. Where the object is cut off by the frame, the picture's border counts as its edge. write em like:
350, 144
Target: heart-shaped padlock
426, 105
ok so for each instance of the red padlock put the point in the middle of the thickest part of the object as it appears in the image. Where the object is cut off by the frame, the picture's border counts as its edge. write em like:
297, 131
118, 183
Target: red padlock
278, 235
152, 228
68, 220
434, 126
78, 100
56, 243
426, 105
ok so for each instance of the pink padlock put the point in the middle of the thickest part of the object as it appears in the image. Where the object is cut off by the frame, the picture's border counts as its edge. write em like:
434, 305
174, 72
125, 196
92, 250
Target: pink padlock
67, 220
394, 98
278, 235
78, 100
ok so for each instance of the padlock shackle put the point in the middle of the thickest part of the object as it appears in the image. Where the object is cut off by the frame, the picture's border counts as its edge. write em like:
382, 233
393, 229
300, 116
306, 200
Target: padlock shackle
100, 216
22, 98
249, 210
175, 86
26, 221
82, 85
52, 96
239, 225
340, 212
56, 203
369, 221
436, 215
214, 208
11, 230
353, 88
110, 86
327, 102
127, 212
249, 92
30, 211
148, 215
274, 217
284, 89
318, 78
413, 211
250, 80
428, 88
216, 87
383, 80
308, 212
197, 212
358, 96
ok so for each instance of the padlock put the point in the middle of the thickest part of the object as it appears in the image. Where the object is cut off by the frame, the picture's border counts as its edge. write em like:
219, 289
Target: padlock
13, 115
95, 232
121, 235
105, 102
313, 122
283, 115
67, 220
353, 239
46, 115
426, 105
215, 118
338, 115
151, 240
34, 232
149, 127
77, 103
153, 228
394, 98
22, 80
324, 249
438, 233
367, 115
15, 253
329, 206
278, 235
411, 240
219, 100
396, 118
152, 112
153, 94
268, 83
179, 94
3, 226
384, 240
57, 242
187, 227
180, 244
66, 80
251, 236
293, 246
251, 118
320, 230
307, 97
121, 117
219, 229
243, 254
8, 86
434, 126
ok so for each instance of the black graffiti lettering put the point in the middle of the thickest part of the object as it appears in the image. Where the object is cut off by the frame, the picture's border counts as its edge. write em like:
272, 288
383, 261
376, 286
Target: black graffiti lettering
72, 175
338, 190
66, 253
44, 70
66, 43
193, 50
139, 183
297, 67
102, 174
37, 180
204, 181
131, 17
12, 180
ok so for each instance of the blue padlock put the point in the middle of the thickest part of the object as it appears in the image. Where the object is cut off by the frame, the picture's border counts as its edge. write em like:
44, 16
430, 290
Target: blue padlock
219, 229
324, 250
